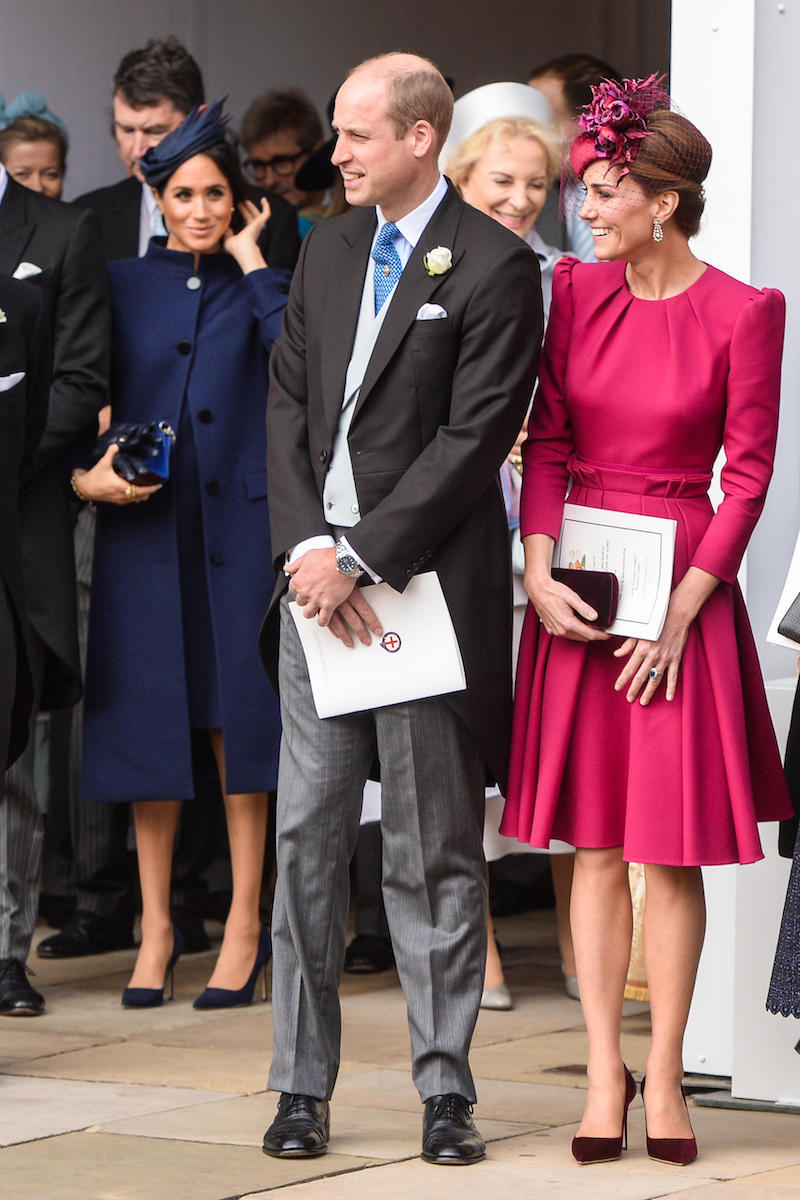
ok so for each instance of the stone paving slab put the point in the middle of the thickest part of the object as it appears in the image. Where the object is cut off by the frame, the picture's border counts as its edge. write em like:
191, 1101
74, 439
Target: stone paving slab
744, 1189
225, 1070
42, 1108
25, 1040
101, 1166
498, 1100
543, 1059
510, 1170
358, 1131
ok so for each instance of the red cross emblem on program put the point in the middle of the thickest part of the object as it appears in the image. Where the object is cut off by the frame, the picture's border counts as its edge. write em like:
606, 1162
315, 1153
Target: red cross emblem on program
391, 642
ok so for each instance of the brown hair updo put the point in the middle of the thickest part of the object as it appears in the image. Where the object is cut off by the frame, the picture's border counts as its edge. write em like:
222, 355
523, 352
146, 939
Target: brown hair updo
674, 157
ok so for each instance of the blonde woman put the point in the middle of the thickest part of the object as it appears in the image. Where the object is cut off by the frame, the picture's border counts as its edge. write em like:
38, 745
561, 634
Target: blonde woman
504, 155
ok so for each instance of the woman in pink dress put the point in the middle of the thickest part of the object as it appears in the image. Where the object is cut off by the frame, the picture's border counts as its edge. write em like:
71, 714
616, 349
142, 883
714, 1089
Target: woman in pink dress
660, 752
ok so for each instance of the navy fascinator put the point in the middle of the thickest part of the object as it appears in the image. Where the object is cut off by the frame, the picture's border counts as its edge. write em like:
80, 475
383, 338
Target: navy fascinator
198, 132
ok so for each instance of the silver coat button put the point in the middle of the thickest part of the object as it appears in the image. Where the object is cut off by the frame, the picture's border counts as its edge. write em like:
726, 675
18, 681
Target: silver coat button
193, 283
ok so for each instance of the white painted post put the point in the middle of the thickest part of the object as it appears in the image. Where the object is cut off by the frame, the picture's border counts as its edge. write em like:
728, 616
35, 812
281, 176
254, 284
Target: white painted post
734, 73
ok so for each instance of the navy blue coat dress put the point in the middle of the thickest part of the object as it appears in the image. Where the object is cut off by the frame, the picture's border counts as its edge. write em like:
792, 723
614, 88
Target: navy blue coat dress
181, 581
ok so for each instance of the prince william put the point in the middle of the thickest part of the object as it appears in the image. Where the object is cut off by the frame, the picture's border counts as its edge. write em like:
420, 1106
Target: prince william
400, 380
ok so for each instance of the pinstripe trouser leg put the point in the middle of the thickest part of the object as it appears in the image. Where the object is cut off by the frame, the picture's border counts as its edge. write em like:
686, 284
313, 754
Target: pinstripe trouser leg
21, 835
434, 879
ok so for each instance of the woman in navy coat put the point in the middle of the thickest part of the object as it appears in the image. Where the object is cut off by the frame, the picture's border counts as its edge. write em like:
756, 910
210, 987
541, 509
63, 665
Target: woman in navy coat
183, 571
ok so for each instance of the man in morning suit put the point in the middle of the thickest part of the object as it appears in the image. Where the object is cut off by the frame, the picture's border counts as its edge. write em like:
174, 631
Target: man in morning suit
24, 378
398, 384
57, 248
154, 88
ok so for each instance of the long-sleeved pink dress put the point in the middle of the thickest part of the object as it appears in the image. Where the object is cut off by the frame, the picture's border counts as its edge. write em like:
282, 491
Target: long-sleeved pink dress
636, 397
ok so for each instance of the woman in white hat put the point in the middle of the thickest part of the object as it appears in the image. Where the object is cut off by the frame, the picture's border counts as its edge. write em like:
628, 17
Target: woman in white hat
504, 155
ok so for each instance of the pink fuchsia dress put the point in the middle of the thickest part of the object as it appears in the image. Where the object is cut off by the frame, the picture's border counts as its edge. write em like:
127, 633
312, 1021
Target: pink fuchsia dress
636, 397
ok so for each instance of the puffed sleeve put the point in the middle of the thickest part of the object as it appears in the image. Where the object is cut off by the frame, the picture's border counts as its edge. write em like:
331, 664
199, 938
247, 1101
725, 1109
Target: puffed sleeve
267, 290
550, 441
749, 434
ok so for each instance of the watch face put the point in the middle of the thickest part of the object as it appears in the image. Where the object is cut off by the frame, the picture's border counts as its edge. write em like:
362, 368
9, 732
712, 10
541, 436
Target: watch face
347, 564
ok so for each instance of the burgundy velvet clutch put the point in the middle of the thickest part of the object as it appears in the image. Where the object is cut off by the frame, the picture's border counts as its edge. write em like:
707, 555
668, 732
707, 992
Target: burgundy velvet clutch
598, 588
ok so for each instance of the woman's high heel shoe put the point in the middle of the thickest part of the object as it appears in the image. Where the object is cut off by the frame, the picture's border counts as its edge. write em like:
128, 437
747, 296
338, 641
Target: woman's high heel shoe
678, 1152
214, 997
587, 1150
154, 997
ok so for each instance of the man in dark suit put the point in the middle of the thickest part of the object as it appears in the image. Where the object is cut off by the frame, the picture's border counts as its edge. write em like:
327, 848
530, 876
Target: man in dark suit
401, 377
24, 376
57, 248
154, 88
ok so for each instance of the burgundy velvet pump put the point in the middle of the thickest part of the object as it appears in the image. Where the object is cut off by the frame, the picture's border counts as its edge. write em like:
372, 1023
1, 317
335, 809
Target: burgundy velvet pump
678, 1152
587, 1150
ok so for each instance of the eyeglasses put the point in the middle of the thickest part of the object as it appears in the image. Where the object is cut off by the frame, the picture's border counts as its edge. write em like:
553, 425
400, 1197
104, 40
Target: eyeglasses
280, 164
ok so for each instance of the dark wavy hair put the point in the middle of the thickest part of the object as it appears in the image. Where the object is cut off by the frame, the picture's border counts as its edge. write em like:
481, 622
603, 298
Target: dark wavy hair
158, 70
578, 74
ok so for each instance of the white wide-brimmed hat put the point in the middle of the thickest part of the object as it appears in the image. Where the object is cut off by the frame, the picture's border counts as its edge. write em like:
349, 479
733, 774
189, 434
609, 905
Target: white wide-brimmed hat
489, 102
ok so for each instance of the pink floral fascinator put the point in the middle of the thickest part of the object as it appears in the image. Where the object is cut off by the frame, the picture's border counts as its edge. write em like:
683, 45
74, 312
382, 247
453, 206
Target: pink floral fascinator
612, 126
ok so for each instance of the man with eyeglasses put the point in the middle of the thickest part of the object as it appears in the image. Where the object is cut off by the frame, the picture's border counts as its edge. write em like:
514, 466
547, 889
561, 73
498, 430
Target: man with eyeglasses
279, 132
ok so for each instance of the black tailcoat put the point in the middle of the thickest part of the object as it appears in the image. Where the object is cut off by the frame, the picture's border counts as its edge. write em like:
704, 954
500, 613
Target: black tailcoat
65, 244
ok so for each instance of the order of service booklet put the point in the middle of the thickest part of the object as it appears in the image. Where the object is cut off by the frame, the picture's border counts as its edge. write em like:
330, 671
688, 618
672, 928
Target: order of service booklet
417, 656
791, 589
638, 549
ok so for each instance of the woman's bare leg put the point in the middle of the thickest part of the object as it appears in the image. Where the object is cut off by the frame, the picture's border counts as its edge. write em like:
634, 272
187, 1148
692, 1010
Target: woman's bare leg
493, 975
562, 867
602, 926
246, 815
156, 822
674, 927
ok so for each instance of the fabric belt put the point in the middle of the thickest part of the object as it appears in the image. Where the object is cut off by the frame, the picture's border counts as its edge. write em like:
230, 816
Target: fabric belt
607, 478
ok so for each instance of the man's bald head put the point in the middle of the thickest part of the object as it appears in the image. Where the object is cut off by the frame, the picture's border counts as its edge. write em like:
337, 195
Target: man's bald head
416, 90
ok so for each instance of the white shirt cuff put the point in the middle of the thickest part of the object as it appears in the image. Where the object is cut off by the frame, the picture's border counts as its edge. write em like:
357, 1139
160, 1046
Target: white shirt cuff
322, 541
375, 578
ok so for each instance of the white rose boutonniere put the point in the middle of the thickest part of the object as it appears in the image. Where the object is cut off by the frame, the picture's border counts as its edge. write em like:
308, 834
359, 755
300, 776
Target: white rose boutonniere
438, 261
3, 317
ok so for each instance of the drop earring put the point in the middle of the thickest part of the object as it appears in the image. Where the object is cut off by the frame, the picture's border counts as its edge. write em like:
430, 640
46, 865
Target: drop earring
658, 230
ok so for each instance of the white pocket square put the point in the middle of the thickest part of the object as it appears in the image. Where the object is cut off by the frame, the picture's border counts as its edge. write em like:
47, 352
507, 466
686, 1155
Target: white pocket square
7, 382
431, 312
26, 269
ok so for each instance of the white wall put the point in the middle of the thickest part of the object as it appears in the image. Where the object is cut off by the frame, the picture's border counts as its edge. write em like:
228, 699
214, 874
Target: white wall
69, 49
734, 73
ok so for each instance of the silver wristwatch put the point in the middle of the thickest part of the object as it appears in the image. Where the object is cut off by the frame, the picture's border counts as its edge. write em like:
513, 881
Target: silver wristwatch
346, 562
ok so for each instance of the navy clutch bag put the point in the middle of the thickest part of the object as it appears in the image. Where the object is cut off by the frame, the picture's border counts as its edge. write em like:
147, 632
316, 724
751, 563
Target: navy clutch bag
144, 450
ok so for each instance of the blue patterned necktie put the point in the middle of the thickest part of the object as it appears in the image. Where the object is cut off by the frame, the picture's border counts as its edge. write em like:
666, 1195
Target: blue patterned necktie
388, 268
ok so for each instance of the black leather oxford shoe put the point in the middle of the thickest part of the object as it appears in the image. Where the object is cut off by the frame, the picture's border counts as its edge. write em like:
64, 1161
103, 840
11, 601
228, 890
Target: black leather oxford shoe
368, 954
449, 1136
17, 997
301, 1128
86, 933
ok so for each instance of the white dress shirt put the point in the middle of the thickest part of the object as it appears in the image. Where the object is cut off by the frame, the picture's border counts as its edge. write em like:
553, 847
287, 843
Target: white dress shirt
151, 223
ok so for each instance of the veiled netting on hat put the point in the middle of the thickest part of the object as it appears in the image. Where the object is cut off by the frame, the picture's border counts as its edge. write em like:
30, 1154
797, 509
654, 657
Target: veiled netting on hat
633, 126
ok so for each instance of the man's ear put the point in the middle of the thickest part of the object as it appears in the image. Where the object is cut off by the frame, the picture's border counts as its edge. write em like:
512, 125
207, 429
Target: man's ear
423, 138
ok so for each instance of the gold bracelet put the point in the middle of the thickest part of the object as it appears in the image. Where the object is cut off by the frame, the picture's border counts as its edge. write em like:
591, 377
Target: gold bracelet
76, 489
